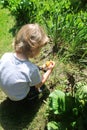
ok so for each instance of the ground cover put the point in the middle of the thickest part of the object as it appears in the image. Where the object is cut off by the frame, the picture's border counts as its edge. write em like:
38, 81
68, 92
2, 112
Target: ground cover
31, 116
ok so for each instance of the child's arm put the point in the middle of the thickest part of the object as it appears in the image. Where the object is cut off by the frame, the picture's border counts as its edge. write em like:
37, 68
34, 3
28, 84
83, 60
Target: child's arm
45, 76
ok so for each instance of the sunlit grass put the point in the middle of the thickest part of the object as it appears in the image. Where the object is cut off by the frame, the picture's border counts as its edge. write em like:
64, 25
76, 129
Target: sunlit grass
7, 21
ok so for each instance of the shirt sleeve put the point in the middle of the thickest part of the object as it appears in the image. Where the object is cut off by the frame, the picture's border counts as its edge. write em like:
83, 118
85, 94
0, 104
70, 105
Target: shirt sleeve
35, 77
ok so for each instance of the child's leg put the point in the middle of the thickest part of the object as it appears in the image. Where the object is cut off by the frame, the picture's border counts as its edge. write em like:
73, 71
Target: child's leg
33, 93
42, 88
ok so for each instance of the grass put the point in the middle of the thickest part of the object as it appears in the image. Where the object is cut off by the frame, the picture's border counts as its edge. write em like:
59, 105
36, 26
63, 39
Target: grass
7, 21
21, 116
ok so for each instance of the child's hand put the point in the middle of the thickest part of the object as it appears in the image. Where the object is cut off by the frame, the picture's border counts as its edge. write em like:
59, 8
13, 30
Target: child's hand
50, 65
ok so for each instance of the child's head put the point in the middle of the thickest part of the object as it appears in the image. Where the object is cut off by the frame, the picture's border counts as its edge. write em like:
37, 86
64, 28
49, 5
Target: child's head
30, 39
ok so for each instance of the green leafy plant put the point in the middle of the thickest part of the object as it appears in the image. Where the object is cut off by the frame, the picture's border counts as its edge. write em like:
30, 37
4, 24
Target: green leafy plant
66, 110
24, 10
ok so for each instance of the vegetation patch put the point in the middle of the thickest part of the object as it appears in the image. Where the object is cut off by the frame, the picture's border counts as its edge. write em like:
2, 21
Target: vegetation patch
64, 105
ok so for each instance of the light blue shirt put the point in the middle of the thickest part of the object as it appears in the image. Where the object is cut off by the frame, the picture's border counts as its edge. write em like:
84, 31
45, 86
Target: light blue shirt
17, 76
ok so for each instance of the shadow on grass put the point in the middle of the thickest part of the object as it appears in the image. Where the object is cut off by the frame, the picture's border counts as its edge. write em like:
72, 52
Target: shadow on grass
18, 116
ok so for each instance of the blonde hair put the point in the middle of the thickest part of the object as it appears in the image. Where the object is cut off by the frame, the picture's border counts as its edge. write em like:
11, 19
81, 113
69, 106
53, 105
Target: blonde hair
28, 38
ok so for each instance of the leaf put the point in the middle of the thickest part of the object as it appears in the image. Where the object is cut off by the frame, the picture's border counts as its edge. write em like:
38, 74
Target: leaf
55, 126
52, 125
57, 102
81, 93
60, 103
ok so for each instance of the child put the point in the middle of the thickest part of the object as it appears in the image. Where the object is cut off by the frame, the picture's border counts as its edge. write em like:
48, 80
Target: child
17, 74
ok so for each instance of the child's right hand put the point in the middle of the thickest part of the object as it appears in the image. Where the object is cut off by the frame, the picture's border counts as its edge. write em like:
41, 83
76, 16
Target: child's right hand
50, 65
